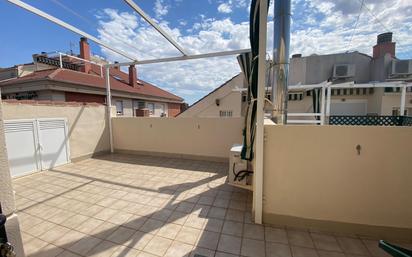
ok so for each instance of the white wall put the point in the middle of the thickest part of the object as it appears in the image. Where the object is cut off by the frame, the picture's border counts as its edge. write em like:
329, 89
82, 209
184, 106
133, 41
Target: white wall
229, 100
315, 177
192, 137
88, 129
7, 195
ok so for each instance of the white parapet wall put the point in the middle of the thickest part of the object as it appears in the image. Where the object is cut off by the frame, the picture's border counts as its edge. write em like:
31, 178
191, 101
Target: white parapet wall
347, 179
209, 138
87, 123
7, 195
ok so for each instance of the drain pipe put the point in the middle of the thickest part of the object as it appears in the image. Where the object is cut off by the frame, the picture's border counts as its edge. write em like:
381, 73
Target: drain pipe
281, 42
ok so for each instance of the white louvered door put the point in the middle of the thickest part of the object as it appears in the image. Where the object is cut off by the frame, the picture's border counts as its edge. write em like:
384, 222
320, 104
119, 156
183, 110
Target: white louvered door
53, 142
22, 146
34, 145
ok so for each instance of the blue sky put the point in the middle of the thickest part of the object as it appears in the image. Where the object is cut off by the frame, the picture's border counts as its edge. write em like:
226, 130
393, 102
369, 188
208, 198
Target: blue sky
318, 26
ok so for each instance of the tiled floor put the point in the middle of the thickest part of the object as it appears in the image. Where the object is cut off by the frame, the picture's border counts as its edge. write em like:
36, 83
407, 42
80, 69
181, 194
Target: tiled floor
129, 206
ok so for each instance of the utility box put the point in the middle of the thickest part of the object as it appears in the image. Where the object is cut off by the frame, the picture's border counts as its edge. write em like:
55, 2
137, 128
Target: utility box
239, 173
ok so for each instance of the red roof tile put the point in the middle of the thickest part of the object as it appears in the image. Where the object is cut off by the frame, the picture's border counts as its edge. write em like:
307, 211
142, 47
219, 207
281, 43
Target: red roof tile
119, 81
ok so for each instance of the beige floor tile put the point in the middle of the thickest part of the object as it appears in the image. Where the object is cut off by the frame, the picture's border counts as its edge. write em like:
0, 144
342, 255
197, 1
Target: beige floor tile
254, 231
68, 254
89, 225
34, 246
123, 251
40, 228
188, 235
104, 230
121, 235
300, 238
323, 253
229, 244
139, 240
120, 218
162, 215
75, 221
105, 214
325, 242
49, 251
84, 245
195, 221
253, 248
217, 213
103, 249
169, 230
202, 252
214, 225
352, 245
151, 226
373, 248
179, 249
235, 215
69, 239
208, 240
54, 234
135, 222
178, 217
232, 228
276, 235
277, 250
222, 254
298, 251
158, 246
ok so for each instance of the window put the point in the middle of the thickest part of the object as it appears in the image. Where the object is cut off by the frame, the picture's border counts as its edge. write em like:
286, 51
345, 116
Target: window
163, 108
151, 107
226, 113
119, 108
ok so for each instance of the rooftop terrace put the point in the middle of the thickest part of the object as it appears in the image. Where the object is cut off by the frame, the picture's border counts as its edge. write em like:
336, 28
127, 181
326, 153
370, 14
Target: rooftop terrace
128, 205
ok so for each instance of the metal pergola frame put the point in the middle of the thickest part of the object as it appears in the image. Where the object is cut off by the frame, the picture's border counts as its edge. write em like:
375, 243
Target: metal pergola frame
327, 87
258, 173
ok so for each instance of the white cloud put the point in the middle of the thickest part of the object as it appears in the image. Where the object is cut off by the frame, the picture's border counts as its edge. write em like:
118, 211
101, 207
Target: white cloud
224, 8
318, 26
189, 79
160, 8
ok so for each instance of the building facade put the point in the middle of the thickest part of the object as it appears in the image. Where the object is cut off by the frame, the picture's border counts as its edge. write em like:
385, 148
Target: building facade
81, 79
339, 68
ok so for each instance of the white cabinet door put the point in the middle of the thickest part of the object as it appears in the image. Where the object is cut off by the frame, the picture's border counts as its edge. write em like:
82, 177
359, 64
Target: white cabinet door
53, 142
34, 145
22, 146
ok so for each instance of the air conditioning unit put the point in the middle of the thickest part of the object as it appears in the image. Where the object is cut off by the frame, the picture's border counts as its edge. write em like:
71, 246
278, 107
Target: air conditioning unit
239, 175
343, 70
401, 67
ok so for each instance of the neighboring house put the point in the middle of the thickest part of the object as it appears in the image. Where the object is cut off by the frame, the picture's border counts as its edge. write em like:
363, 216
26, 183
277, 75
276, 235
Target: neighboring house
224, 101
383, 66
44, 79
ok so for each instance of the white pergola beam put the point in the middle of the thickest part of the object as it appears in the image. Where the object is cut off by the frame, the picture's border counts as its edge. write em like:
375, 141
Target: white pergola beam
182, 58
145, 16
68, 26
259, 156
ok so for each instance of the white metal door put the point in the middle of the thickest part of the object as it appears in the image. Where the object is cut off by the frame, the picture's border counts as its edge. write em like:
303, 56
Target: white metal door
22, 146
34, 145
53, 142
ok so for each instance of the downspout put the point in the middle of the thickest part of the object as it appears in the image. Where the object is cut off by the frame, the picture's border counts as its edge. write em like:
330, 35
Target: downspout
109, 107
281, 42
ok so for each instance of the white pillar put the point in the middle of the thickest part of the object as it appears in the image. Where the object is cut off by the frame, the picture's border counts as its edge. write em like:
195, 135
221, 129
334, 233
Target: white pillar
61, 60
328, 103
403, 99
258, 173
109, 107
322, 108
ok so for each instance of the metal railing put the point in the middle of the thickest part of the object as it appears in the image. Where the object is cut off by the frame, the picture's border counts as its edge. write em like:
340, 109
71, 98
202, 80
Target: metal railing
353, 120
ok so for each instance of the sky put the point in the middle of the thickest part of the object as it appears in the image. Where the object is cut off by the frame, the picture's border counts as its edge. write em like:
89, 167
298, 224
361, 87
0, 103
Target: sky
200, 26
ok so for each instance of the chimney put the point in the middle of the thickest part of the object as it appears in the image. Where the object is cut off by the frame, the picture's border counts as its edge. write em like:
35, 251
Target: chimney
116, 67
85, 54
384, 45
132, 76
